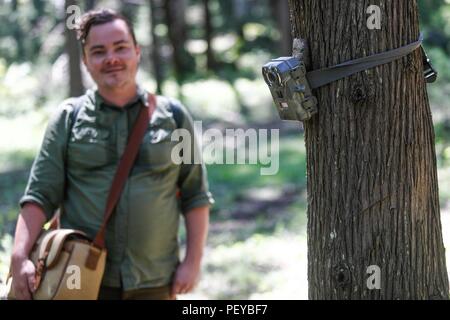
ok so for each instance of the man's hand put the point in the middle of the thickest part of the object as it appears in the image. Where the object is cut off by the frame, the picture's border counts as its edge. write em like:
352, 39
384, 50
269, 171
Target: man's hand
186, 278
29, 225
188, 272
23, 272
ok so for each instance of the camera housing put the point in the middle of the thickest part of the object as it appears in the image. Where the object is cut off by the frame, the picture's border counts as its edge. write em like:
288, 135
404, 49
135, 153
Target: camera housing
291, 92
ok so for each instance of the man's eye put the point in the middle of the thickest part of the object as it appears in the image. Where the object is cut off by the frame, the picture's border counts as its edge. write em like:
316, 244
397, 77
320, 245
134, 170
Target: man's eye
121, 48
97, 53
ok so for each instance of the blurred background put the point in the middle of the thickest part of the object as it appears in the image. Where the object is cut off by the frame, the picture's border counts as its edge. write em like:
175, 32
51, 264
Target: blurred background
208, 54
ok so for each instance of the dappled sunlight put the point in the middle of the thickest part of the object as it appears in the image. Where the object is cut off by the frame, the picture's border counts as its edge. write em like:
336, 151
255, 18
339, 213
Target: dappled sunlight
6, 243
444, 184
22, 133
262, 267
254, 61
211, 98
445, 221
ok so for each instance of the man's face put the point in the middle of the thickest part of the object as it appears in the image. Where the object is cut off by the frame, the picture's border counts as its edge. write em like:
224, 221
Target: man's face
110, 55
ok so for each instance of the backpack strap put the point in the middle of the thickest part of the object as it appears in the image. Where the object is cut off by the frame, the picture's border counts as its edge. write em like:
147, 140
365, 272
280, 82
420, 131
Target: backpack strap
73, 117
178, 115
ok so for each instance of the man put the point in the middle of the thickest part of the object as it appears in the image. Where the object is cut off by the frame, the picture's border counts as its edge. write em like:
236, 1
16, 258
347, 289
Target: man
76, 164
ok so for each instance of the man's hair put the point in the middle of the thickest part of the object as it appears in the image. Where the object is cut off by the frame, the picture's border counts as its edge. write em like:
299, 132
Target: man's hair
98, 17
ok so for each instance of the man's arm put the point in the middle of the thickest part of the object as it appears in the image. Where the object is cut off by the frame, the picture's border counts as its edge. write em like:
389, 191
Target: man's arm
188, 271
29, 226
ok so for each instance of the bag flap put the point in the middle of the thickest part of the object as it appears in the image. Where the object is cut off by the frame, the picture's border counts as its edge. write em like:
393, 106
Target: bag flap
53, 243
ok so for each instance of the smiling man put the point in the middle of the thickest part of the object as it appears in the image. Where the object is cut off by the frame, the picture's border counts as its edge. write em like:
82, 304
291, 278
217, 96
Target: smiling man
75, 166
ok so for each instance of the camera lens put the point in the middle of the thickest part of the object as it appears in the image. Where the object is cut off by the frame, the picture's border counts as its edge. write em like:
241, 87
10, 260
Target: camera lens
272, 77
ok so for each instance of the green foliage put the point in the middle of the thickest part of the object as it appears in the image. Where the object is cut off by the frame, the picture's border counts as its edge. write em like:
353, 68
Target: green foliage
24, 26
441, 62
435, 21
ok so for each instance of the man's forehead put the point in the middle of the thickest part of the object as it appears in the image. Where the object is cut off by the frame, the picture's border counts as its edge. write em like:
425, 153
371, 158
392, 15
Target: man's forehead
108, 33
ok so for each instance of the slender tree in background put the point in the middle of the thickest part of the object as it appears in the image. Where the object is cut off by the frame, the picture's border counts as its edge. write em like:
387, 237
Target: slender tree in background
239, 9
371, 164
280, 11
177, 32
156, 13
17, 32
129, 8
210, 60
76, 87
89, 4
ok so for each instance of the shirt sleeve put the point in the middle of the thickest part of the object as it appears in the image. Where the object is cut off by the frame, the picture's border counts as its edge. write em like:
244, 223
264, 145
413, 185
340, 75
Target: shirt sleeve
192, 180
47, 177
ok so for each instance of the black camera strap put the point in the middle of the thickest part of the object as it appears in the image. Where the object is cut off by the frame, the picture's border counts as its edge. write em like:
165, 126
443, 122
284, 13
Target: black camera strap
321, 77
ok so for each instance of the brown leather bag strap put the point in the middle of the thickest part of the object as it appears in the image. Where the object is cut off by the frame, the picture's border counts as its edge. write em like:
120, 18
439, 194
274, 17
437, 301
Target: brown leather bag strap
125, 164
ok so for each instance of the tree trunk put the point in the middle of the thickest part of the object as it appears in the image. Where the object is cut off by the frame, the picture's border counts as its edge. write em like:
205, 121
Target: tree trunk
76, 87
18, 33
176, 24
280, 11
89, 4
372, 180
239, 8
155, 56
210, 60
129, 9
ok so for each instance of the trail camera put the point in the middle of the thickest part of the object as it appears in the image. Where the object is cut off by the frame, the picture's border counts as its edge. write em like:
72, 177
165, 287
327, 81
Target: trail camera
291, 86
286, 78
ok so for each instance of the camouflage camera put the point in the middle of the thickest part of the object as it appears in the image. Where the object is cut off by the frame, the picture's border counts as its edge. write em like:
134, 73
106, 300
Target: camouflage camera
286, 78
290, 86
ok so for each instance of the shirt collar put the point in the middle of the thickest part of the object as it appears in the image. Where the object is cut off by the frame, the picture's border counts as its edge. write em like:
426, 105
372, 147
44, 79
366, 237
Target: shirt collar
99, 101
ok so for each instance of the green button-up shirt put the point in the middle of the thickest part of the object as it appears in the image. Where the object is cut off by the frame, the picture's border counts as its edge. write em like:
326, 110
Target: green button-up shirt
74, 170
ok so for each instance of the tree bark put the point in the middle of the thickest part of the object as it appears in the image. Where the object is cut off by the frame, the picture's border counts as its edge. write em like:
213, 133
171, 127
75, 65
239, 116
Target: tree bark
371, 162
76, 87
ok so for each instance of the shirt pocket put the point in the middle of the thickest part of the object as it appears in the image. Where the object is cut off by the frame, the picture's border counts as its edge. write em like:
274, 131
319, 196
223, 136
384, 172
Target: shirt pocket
89, 149
156, 149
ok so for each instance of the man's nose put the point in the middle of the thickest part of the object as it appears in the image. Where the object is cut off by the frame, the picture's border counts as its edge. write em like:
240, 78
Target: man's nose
111, 58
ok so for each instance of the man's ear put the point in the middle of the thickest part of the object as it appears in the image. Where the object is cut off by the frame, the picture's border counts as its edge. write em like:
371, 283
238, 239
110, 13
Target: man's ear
138, 52
83, 57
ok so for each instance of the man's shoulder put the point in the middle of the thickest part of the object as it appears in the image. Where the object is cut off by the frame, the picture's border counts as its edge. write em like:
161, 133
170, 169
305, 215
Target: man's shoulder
73, 102
66, 111
172, 107
168, 103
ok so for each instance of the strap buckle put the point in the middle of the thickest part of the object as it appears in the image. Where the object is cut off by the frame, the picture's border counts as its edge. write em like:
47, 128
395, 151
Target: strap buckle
429, 72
